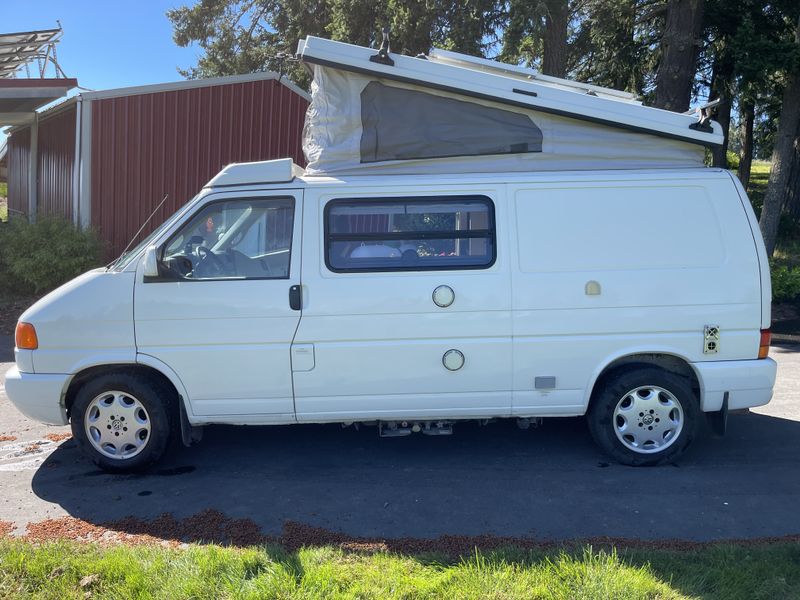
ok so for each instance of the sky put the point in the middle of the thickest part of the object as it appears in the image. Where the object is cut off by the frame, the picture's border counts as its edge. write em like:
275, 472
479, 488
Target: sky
106, 43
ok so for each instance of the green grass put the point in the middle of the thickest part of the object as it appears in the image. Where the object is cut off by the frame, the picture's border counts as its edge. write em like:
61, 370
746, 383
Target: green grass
785, 263
788, 253
3, 203
759, 177
57, 569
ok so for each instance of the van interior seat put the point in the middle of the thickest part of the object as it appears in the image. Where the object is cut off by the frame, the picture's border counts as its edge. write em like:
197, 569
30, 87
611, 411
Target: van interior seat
375, 251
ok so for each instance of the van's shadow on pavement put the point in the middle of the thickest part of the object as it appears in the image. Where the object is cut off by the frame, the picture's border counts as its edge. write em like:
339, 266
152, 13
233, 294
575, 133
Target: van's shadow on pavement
549, 484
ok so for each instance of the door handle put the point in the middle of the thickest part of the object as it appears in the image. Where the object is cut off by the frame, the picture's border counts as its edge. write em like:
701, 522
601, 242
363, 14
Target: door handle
296, 297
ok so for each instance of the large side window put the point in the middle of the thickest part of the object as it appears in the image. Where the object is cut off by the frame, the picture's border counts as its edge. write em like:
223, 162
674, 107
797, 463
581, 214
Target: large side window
248, 238
409, 234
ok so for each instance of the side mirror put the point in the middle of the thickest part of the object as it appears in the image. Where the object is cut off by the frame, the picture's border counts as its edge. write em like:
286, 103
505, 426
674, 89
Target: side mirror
150, 260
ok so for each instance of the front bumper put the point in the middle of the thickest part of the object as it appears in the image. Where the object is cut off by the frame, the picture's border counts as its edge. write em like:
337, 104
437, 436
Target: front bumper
38, 397
749, 383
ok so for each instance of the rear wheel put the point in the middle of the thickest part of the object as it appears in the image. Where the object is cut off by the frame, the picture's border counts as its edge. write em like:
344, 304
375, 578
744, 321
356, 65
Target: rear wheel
644, 416
123, 421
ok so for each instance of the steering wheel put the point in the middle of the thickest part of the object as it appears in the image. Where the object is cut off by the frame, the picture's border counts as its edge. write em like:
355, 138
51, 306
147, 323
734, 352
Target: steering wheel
210, 264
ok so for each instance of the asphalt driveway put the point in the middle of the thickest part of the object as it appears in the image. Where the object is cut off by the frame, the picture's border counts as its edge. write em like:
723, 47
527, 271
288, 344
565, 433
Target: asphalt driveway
549, 483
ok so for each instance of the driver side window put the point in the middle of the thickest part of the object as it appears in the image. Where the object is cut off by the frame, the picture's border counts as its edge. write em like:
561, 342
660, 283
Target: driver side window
248, 238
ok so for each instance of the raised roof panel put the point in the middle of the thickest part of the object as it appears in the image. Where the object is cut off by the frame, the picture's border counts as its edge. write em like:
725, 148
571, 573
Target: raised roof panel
508, 84
282, 170
526, 74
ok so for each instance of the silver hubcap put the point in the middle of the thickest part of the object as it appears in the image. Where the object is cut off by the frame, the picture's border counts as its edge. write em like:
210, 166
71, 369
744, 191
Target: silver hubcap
117, 425
648, 419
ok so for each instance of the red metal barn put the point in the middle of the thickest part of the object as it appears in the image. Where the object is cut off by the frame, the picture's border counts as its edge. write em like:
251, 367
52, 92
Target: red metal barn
55, 163
106, 159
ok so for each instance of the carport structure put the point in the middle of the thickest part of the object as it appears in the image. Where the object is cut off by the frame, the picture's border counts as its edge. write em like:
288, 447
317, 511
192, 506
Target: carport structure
21, 98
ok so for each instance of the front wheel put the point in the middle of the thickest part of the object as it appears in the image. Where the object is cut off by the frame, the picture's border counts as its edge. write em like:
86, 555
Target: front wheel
123, 421
644, 416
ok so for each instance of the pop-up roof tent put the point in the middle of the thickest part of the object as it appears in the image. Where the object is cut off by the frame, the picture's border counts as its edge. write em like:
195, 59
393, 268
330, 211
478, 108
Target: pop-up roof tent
379, 112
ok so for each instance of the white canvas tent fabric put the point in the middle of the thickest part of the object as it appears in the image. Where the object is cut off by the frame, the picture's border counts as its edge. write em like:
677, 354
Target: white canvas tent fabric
341, 135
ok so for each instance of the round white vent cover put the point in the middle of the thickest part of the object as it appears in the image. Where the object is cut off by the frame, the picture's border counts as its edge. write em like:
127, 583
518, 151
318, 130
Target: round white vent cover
453, 360
443, 296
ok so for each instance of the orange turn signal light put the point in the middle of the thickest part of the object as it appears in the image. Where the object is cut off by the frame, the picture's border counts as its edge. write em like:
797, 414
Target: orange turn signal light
763, 346
25, 337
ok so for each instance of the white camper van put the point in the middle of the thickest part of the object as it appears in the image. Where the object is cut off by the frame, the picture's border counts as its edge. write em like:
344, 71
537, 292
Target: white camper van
454, 250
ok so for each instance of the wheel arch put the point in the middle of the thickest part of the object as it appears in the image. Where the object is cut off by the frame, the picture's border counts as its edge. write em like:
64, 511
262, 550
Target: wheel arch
141, 368
668, 361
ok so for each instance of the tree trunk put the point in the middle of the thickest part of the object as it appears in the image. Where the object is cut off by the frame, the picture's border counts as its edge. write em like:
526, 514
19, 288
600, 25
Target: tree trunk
679, 45
719, 154
781, 157
746, 138
722, 88
792, 193
554, 61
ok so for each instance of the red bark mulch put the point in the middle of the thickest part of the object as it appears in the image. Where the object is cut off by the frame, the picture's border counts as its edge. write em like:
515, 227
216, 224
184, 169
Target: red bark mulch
212, 526
6, 527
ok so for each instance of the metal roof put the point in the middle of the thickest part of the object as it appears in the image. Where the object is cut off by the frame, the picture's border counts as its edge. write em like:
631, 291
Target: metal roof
193, 83
154, 88
21, 98
19, 48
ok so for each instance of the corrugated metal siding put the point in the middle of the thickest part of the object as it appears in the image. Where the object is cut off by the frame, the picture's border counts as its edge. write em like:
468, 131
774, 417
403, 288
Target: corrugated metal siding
19, 145
149, 145
56, 153
56, 159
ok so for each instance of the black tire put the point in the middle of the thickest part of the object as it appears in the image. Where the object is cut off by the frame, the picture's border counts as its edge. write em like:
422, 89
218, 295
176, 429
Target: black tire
158, 401
611, 391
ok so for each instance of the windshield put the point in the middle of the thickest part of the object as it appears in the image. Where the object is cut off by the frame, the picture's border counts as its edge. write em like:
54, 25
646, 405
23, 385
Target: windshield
125, 258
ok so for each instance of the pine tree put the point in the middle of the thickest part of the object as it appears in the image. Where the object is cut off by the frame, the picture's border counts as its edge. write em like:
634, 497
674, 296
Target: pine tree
786, 142
679, 46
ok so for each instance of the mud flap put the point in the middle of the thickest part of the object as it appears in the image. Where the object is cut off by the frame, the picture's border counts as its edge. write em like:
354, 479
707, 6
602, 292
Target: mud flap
719, 420
189, 433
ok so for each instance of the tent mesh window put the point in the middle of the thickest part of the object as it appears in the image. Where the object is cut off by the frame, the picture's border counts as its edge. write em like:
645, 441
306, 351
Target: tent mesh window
401, 124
